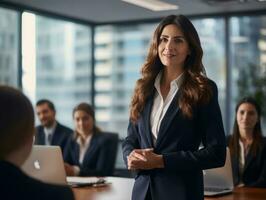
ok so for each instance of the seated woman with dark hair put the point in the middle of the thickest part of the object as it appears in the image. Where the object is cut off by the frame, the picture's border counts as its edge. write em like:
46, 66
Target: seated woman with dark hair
247, 145
90, 152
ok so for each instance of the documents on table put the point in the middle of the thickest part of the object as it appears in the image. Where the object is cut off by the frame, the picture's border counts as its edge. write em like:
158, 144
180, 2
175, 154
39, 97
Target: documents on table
76, 181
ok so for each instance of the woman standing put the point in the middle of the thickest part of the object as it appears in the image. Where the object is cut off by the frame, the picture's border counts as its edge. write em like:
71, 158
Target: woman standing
90, 152
173, 110
247, 146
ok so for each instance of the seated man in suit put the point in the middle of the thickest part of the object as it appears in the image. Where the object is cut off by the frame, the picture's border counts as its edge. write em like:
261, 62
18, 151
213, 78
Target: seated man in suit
16, 139
50, 132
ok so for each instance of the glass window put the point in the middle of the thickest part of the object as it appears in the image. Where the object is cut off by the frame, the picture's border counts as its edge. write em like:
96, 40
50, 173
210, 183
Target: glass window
212, 35
248, 59
56, 63
9, 21
120, 52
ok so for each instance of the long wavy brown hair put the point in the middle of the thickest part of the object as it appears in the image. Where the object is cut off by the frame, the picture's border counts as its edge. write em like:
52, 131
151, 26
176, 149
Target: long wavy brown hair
194, 89
257, 131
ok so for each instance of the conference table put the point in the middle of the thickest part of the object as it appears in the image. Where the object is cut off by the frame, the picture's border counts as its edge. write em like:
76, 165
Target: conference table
120, 189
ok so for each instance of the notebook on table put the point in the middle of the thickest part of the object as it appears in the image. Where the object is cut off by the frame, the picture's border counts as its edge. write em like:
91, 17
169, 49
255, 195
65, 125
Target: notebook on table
75, 181
219, 181
46, 163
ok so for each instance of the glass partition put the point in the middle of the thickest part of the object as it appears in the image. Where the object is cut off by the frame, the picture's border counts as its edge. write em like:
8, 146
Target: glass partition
57, 63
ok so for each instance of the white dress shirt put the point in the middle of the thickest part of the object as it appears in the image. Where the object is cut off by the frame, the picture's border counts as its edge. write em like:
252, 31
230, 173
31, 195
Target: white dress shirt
160, 105
242, 159
83, 147
49, 133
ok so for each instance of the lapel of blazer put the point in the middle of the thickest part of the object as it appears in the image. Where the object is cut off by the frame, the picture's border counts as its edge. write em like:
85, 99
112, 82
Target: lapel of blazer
146, 120
235, 168
40, 138
55, 136
248, 160
167, 119
75, 154
93, 145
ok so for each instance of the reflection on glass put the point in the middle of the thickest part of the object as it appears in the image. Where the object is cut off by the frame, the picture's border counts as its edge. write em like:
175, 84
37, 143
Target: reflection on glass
60, 57
9, 47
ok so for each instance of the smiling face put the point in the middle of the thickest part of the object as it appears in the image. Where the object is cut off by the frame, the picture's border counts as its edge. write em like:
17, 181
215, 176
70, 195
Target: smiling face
46, 115
247, 116
173, 48
83, 122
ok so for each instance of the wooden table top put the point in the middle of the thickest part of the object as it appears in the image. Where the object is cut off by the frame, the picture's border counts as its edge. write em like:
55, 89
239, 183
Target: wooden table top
121, 189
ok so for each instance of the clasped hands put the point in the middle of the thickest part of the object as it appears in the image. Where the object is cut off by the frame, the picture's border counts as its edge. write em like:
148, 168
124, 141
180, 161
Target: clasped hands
69, 169
144, 159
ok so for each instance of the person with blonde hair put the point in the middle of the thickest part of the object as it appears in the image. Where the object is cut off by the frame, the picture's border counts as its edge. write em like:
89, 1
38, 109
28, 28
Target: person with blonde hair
174, 109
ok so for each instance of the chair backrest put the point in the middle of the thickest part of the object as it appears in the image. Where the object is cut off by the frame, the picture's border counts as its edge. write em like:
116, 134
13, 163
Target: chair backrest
112, 139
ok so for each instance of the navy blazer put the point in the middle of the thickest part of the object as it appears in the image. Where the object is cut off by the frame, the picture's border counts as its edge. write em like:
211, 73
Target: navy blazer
254, 174
99, 159
60, 136
16, 185
178, 141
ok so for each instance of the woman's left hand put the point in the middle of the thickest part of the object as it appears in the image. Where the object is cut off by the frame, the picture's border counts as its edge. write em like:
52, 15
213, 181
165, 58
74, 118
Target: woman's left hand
151, 161
69, 170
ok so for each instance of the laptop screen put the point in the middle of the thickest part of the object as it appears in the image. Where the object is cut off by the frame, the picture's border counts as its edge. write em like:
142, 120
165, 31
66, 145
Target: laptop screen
220, 177
46, 163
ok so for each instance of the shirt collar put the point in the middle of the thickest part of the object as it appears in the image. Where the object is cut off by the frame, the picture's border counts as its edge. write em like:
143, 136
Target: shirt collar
174, 83
87, 140
51, 129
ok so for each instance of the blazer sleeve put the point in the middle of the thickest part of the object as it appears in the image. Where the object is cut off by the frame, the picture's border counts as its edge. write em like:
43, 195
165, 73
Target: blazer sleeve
105, 158
261, 181
131, 142
67, 154
101, 166
210, 127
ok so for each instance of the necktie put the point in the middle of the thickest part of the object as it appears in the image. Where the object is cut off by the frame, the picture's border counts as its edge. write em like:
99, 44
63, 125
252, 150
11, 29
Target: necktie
49, 139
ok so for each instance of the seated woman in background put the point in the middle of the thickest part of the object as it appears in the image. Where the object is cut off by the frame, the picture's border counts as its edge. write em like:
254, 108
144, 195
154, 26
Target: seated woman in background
88, 152
247, 145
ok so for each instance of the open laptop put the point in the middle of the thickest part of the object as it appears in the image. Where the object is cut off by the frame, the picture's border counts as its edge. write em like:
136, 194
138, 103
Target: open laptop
46, 163
219, 181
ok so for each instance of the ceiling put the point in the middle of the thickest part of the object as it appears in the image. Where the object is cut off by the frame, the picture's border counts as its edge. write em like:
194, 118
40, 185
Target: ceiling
109, 11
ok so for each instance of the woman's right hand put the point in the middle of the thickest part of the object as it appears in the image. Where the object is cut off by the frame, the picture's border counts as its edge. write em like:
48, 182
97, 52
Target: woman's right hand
144, 159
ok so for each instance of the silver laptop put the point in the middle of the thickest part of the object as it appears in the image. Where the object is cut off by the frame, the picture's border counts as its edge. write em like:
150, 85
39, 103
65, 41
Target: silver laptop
46, 163
219, 181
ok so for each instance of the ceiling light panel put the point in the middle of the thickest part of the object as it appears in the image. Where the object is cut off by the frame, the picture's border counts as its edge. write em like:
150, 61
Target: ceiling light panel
154, 5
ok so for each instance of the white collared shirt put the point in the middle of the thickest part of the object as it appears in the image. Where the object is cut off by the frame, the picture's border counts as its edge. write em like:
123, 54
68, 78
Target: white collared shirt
49, 131
160, 105
242, 159
83, 147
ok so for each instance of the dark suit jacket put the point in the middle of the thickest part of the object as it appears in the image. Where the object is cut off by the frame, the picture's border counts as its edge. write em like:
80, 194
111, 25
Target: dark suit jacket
254, 174
178, 141
99, 159
16, 185
60, 136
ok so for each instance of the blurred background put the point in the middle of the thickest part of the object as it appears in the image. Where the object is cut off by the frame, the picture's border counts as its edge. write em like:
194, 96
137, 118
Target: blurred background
92, 51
